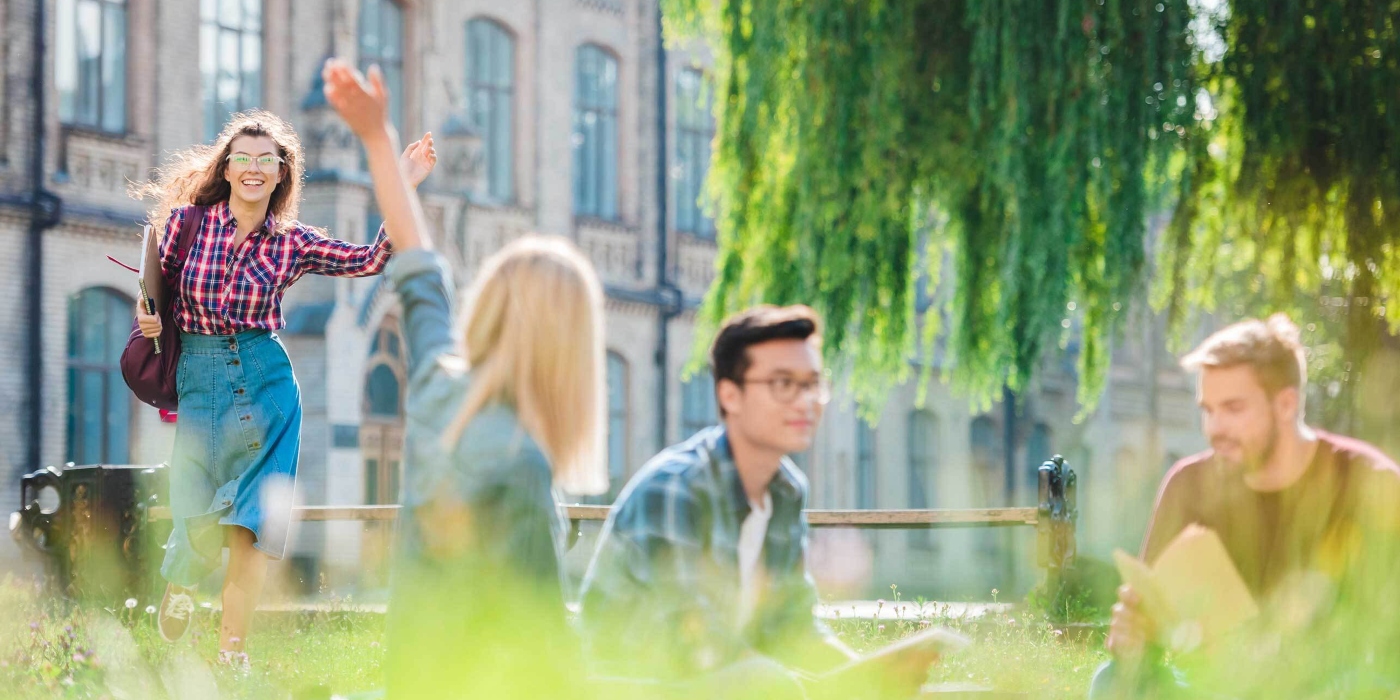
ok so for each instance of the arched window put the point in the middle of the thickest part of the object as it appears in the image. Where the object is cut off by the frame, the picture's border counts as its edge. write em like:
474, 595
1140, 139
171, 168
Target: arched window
595, 133
99, 404
490, 99
383, 426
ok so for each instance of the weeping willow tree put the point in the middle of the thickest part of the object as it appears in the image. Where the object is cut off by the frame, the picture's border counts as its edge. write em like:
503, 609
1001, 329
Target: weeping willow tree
1292, 203
863, 144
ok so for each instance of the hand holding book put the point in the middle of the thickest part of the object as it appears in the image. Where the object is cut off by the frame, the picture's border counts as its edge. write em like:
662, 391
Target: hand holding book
1192, 595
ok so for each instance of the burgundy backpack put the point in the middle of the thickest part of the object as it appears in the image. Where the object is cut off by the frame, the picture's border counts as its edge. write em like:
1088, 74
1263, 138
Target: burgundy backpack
151, 375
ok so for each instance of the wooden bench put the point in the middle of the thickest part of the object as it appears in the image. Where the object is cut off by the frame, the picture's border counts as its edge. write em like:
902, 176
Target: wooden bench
881, 519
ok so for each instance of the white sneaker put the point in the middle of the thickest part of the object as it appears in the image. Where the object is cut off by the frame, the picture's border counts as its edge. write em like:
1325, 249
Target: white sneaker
176, 610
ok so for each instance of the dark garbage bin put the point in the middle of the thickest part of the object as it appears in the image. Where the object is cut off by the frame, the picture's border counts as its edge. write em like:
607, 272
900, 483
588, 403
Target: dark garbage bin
90, 526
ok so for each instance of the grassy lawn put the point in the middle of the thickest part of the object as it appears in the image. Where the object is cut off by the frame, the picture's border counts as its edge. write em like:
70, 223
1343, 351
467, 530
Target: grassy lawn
51, 650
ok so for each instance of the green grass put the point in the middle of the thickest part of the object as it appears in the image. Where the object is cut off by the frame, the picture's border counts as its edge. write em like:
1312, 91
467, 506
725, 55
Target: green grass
53, 649
1018, 651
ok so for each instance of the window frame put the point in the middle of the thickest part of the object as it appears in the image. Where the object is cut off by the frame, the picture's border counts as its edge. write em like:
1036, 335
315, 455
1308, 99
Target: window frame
212, 24
66, 47
596, 185
922, 431
699, 406
115, 312
500, 97
867, 465
695, 133
618, 414
393, 66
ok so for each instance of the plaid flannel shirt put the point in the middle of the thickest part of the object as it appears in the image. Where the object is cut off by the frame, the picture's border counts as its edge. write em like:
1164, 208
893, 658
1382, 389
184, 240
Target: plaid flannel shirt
224, 291
660, 598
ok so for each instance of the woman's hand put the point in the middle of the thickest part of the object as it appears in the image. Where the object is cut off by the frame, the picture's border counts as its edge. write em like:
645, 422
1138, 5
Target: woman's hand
418, 160
361, 101
149, 324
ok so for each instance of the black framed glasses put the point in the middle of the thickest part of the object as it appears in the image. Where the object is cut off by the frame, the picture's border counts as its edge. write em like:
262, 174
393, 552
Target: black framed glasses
787, 389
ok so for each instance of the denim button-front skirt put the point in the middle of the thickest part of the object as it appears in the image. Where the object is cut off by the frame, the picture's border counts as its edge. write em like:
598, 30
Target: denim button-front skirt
237, 439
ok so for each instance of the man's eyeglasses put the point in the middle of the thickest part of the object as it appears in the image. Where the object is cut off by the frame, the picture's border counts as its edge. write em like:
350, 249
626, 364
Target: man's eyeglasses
787, 389
243, 161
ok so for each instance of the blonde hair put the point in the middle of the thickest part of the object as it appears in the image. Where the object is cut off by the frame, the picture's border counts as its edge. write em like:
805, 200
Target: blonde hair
1273, 348
196, 175
533, 339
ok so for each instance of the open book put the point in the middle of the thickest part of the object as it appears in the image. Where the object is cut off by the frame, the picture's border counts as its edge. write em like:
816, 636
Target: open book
1193, 591
918, 650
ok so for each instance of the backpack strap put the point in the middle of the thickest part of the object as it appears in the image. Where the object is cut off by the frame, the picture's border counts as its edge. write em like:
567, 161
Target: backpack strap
194, 219
189, 227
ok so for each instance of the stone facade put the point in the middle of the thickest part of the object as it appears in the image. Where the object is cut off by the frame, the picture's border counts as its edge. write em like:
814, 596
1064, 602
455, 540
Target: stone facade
335, 326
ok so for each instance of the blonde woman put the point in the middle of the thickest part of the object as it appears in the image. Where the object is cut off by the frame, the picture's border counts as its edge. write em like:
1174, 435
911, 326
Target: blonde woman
237, 440
495, 424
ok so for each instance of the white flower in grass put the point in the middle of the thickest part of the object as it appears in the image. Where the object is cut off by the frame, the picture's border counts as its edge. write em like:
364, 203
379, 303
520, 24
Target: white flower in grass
130, 603
150, 609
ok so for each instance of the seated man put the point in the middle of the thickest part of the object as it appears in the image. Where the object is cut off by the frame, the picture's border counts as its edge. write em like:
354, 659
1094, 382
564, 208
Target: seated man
1309, 519
700, 573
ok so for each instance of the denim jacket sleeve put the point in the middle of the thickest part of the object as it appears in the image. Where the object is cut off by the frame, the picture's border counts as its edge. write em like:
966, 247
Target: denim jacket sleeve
424, 286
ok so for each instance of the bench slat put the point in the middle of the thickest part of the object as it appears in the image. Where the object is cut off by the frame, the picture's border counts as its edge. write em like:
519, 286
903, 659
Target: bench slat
863, 519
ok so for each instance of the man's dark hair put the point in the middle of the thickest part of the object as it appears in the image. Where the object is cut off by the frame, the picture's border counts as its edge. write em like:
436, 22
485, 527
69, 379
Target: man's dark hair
729, 356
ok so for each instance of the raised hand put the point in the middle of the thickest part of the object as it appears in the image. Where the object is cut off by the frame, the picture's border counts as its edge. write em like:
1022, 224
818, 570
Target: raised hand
361, 101
418, 160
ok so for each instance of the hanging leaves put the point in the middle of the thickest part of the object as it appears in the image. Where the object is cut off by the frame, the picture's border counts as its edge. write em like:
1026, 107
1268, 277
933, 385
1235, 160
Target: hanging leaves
1026, 143
1294, 193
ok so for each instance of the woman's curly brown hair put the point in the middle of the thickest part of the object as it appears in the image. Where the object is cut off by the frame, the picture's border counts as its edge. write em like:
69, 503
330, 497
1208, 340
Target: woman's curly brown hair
196, 175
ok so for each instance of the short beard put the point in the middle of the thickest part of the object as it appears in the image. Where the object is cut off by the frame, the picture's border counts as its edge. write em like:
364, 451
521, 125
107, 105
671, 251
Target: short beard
1271, 444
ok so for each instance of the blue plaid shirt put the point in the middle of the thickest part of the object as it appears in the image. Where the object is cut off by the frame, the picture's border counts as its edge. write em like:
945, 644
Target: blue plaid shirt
661, 596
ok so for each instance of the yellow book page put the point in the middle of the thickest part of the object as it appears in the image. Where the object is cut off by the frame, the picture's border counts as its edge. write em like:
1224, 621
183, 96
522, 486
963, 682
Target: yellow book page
1200, 583
1144, 582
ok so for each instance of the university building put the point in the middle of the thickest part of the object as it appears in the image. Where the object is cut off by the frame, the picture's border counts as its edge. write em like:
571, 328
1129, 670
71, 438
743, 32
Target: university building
565, 117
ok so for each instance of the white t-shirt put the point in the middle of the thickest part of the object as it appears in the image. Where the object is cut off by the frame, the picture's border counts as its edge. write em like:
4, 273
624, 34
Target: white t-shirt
751, 535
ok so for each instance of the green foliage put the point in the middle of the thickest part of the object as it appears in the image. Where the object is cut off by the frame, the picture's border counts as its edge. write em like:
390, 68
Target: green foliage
1292, 196
863, 144
1085, 593
1022, 141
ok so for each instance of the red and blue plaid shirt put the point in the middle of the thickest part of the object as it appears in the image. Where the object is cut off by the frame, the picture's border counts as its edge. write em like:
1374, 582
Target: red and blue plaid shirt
224, 291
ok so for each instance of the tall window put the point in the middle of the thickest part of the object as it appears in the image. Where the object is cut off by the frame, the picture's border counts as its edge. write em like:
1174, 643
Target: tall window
382, 430
1038, 451
381, 42
865, 464
695, 129
230, 59
99, 405
595, 133
982, 435
617, 419
698, 406
90, 63
490, 96
922, 432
